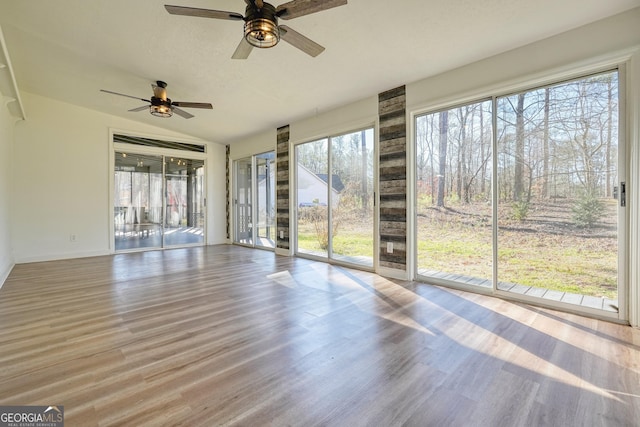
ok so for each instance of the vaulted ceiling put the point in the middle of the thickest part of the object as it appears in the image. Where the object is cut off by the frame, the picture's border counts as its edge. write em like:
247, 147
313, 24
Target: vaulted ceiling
70, 49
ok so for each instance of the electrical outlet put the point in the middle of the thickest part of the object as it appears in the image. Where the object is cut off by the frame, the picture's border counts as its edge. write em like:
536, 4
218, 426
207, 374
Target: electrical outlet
389, 247
72, 238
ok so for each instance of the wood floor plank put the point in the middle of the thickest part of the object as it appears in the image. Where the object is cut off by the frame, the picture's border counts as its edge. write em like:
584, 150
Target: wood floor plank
226, 335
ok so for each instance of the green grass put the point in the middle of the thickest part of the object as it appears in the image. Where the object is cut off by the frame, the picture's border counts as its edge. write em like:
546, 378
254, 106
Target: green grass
354, 242
563, 262
459, 242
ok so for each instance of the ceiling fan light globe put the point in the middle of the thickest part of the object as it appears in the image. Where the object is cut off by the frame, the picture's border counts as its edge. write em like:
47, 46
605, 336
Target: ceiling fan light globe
161, 111
261, 33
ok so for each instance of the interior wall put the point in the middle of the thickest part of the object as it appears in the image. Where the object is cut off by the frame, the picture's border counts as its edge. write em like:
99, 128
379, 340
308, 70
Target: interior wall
61, 181
6, 154
339, 120
256, 144
570, 51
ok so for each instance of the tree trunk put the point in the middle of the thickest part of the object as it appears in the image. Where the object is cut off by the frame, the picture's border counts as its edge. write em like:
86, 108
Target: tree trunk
545, 148
483, 173
364, 190
609, 184
518, 179
442, 163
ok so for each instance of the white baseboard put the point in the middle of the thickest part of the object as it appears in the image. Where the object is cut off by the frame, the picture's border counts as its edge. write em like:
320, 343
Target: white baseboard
5, 274
59, 256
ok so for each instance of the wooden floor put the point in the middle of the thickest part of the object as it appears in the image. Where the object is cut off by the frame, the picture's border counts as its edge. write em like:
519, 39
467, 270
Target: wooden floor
226, 335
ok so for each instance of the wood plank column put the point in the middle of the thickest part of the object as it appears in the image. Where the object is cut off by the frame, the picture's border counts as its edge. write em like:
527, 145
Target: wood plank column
393, 178
227, 205
282, 188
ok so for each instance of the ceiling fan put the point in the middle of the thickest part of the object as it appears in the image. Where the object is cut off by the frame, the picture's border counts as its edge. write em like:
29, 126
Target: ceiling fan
160, 105
261, 27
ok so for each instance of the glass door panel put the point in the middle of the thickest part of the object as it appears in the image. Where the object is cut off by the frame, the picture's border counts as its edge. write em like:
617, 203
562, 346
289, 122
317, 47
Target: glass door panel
557, 179
266, 200
184, 202
312, 189
351, 183
243, 202
137, 201
334, 190
453, 194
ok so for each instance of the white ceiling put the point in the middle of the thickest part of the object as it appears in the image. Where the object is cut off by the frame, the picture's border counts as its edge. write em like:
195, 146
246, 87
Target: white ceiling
69, 49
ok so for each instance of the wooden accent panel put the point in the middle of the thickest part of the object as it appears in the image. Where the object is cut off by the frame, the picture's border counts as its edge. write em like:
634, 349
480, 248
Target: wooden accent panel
230, 336
282, 187
393, 177
227, 204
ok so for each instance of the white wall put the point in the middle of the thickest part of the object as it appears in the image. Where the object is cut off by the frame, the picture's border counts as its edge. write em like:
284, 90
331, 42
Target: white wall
61, 181
6, 167
566, 52
343, 119
256, 144
340, 120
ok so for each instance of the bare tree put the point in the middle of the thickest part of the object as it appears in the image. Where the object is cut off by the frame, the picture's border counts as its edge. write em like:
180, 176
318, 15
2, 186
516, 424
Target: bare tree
518, 183
545, 150
443, 140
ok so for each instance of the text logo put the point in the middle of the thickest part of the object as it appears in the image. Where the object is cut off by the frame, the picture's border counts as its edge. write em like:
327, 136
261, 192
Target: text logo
32, 416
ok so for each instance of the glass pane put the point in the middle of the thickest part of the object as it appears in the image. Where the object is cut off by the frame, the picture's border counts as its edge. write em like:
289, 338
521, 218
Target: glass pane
312, 197
244, 225
557, 168
453, 194
137, 201
352, 197
266, 202
184, 197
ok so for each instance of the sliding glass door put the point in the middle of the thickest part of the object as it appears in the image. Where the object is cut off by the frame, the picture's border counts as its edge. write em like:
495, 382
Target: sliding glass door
243, 201
158, 201
265, 199
334, 196
541, 217
138, 218
254, 200
184, 202
453, 203
313, 193
558, 185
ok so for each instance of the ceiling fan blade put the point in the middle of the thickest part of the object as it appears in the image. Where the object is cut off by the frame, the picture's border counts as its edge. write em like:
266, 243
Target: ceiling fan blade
204, 105
296, 8
182, 113
134, 110
243, 50
203, 13
303, 43
122, 94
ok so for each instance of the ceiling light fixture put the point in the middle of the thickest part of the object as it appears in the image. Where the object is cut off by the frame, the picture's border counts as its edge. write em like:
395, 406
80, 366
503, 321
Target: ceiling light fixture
261, 26
162, 109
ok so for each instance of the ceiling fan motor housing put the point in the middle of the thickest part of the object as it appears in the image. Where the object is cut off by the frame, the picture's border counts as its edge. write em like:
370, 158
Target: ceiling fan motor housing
261, 26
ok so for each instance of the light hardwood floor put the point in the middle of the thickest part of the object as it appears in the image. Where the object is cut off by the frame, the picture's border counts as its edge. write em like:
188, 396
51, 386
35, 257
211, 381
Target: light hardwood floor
226, 335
